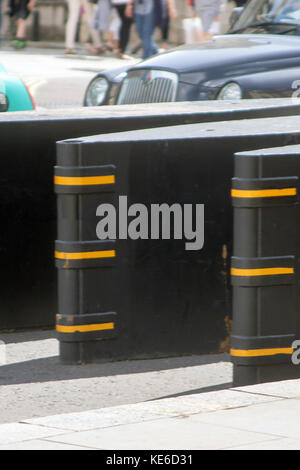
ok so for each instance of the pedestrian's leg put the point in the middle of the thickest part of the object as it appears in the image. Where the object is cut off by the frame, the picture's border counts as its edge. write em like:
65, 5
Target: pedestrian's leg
21, 28
73, 15
149, 45
114, 32
139, 27
125, 27
104, 21
22, 12
144, 33
165, 32
100, 22
95, 29
89, 10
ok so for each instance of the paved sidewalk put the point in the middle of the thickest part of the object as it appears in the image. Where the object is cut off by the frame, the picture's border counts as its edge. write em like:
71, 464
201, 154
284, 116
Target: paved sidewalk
264, 416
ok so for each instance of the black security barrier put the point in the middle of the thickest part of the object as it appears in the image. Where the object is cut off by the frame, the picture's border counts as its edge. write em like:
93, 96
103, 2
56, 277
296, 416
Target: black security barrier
28, 206
133, 298
265, 264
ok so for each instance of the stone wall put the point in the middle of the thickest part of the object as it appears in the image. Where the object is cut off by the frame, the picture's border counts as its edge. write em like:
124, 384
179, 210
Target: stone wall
52, 17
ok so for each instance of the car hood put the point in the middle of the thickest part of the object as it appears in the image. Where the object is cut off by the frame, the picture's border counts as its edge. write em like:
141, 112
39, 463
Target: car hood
228, 50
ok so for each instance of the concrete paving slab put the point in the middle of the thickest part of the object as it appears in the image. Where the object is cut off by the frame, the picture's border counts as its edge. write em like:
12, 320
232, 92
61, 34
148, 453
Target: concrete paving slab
39, 444
283, 389
89, 420
17, 432
188, 433
223, 399
146, 411
274, 444
276, 418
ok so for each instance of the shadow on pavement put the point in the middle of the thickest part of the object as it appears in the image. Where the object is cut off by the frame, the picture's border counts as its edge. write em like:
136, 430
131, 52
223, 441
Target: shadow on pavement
50, 369
213, 388
19, 336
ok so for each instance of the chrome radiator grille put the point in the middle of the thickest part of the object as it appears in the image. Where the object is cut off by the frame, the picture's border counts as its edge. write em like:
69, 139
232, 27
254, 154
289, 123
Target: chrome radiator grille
148, 86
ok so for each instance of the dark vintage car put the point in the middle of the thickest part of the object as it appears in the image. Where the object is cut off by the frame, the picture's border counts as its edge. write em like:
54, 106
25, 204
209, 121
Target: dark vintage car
258, 58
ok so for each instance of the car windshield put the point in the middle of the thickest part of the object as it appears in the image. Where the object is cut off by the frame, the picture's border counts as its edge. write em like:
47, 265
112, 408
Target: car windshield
283, 15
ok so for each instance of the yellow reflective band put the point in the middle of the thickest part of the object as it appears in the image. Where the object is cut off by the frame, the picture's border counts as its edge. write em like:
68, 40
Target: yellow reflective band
260, 352
85, 255
263, 192
261, 272
84, 328
84, 180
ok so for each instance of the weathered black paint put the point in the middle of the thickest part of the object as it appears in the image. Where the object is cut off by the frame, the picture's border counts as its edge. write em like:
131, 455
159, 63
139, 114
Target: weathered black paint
168, 300
27, 201
266, 234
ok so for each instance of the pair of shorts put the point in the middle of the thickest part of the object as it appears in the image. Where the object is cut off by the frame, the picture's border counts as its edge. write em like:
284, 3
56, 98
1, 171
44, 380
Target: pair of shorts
101, 17
19, 9
208, 10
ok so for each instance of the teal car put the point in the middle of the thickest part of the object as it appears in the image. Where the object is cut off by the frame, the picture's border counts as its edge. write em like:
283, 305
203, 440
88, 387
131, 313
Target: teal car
14, 95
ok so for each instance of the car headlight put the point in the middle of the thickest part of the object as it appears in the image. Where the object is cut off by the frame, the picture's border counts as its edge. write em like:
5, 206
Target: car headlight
231, 91
3, 102
96, 92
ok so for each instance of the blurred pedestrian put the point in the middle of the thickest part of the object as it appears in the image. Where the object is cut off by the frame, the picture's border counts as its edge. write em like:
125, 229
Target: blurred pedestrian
74, 7
143, 12
88, 18
209, 13
20, 10
114, 30
126, 22
165, 12
100, 26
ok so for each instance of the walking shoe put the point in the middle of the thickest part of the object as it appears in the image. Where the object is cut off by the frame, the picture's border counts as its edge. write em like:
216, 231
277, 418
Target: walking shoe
18, 44
70, 52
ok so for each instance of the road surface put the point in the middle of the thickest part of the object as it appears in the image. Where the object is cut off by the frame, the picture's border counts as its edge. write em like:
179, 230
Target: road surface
56, 80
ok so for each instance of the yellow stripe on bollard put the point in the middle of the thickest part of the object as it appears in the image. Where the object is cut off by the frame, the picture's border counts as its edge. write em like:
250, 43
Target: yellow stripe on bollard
261, 271
241, 193
85, 255
84, 180
84, 328
260, 352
